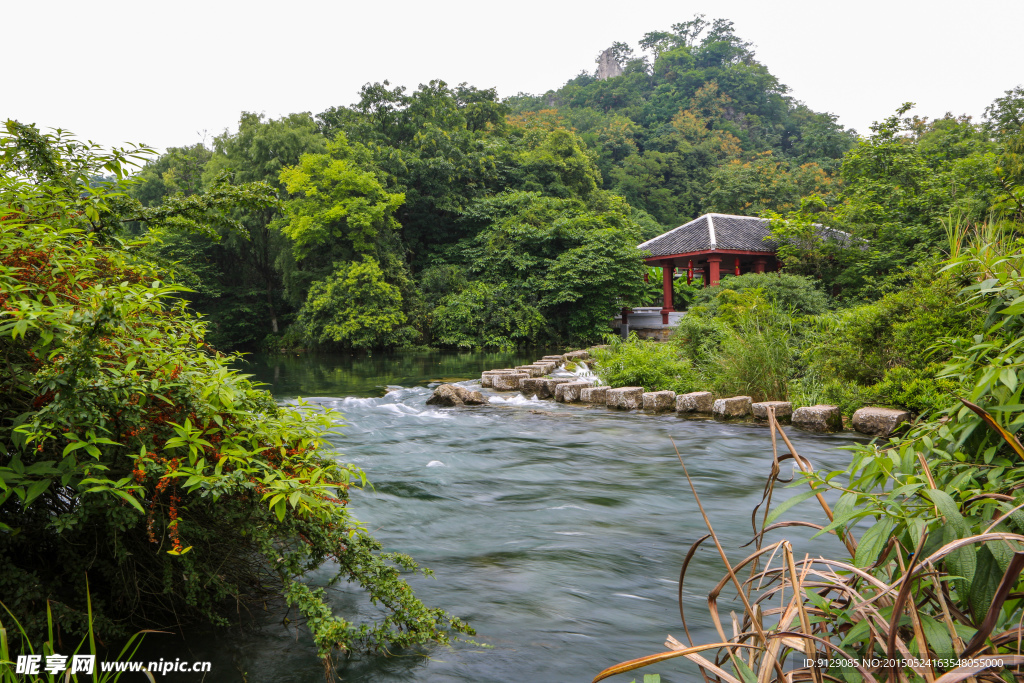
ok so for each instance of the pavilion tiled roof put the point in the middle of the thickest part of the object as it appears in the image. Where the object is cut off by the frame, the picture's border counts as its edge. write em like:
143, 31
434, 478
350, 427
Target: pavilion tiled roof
718, 231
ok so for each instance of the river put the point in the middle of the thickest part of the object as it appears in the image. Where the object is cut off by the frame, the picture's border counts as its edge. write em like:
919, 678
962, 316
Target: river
556, 530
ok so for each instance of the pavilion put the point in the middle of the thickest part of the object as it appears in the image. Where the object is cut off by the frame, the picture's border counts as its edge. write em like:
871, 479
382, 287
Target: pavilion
706, 245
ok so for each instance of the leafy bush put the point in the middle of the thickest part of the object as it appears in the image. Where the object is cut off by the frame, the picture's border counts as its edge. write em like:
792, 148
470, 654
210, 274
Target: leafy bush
643, 363
355, 308
700, 337
792, 293
862, 344
122, 432
756, 357
486, 315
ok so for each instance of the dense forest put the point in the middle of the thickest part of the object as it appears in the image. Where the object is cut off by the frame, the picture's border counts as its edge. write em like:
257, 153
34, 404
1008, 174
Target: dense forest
448, 216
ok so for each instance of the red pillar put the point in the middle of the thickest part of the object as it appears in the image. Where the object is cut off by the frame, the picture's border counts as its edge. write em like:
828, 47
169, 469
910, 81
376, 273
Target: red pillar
667, 267
737, 270
689, 273
713, 263
759, 264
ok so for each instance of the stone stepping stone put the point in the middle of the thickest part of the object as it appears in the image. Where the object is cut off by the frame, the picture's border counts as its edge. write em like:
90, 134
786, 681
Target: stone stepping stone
879, 421
731, 408
820, 418
625, 398
700, 402
783, 410
570, 392
659, 401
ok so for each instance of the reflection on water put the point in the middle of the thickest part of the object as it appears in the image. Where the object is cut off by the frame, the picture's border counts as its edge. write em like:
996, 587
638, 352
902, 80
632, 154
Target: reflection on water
557, 531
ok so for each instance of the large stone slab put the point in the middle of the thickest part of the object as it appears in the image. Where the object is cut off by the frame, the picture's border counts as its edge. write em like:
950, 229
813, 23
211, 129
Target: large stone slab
783, 410
534, 369
548, 365
700, 402
541, 387
820, 418
731, 408
487, 375
556, 359
508, 382
625, 398
596, 395
659, 401
452, 395
879, 421
570, 392
577, 355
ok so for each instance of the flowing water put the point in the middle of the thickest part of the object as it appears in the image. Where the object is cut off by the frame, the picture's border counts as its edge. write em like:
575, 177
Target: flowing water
557, 531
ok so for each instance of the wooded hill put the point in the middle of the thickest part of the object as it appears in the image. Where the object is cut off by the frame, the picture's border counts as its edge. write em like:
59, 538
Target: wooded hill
448, 216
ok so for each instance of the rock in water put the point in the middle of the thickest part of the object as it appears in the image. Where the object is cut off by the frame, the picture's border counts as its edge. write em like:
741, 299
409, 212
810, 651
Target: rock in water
699, 402
730, 408
659, 401
783, 410
820, 418
451, 395
879, 421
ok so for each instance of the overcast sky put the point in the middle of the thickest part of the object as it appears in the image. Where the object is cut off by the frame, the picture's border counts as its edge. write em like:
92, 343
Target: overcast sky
163, 73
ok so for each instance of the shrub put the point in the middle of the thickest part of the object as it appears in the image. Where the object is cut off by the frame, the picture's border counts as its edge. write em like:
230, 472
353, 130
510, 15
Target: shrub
700, 337
792, 293
756, 357
901, 330
643, 363
122, 432
485, 315
355, 308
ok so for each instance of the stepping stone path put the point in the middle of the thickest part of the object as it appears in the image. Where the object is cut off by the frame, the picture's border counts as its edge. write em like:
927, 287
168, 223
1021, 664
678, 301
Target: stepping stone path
532, 380
879, 421
699, 402
783, 410
731, 408
625, 398
820, 418
659, 401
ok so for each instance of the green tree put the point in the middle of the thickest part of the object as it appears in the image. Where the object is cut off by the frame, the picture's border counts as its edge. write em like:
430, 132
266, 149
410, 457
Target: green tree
355, 308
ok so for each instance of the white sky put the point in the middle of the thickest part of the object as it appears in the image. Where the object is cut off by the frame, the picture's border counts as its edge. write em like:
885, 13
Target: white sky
163, 72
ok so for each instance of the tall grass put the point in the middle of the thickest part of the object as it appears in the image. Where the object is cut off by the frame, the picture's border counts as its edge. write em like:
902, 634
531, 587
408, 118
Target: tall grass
639, 362
756, 357
8, 657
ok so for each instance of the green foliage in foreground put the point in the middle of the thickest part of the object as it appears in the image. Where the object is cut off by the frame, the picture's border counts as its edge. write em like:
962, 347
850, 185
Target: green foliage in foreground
131, 452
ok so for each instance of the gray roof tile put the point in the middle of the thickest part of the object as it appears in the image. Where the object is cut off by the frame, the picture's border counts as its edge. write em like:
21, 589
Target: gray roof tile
722, 231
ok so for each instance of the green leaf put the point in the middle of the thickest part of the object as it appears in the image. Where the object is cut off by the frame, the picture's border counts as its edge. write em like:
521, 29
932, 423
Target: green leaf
983, 587
872, 543
35, 489
130, 498
787, 504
